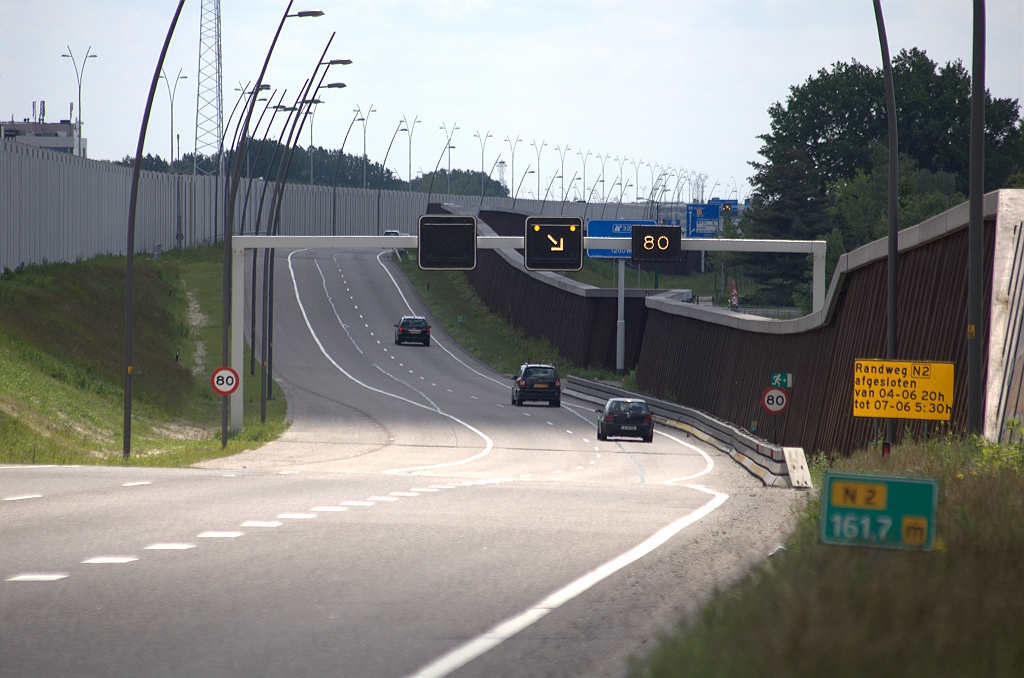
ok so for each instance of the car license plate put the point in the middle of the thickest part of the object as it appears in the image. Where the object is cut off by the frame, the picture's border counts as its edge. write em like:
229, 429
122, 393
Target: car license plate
414, 331
628, 428
540, 385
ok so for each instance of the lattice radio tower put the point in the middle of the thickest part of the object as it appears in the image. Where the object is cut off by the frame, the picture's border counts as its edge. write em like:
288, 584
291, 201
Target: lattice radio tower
210, 96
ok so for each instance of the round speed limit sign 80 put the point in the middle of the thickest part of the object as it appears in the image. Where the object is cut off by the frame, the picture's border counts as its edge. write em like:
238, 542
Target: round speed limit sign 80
224, 381
775, 400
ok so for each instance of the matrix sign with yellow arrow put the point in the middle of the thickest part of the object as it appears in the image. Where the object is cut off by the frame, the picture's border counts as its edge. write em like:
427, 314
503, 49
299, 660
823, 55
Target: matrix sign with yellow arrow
554, 243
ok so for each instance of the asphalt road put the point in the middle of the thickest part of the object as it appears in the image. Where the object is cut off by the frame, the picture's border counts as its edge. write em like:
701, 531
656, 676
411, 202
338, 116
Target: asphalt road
411, 522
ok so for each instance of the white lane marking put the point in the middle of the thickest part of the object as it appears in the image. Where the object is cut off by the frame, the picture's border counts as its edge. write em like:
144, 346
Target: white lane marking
404, 494
578, 468
361, 316
287, 473
526, 414
710, 463
227, 475
443, 347
467, 652
568, 431
474, 397
298, 299
550, 424
110, 560
423, 489
443, 487
168, 546
592, 461
23, 496
139, 482
296, 516
382, 499
357, 308
596, 449
262, 523
328, 508
356, 502
38, 576
586, 440
331, 301
558, 471
30, 466
449, 390
432, 384
219, 535
599, 456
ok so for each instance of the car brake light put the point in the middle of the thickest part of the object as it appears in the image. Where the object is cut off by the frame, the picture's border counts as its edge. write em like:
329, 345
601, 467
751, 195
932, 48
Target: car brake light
558, 383
522, 383
609, 417
647, 419
428, 330
399, 330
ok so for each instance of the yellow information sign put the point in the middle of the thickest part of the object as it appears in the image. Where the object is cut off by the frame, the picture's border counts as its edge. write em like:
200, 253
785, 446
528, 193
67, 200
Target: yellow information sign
902, 389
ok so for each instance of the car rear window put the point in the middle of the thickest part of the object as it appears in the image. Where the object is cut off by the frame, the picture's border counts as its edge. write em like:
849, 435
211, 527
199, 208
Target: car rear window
540, 373
622, 407
414, 323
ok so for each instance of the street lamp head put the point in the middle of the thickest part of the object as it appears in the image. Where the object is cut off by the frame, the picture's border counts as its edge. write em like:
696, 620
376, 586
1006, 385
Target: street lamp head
339, 62
335, 85
92, 56
262, 87
308, 13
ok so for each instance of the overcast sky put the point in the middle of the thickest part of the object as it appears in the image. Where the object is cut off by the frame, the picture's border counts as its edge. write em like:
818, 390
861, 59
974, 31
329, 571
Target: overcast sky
676, 83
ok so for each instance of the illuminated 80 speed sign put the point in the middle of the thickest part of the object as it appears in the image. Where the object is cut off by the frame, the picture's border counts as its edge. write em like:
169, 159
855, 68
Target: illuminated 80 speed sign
224, 380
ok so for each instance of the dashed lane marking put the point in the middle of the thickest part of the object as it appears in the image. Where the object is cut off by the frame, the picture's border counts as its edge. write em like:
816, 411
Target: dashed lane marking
23, 496
262, 523
38, 576
170, 547
219, 535
404, 494
356, 502
382, 499
110, 560
443, 487
137, 483
297, 516
423, 489
328, 508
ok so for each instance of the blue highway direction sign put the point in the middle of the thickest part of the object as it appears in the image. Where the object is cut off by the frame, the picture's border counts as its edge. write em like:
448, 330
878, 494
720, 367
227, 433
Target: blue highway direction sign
614, 228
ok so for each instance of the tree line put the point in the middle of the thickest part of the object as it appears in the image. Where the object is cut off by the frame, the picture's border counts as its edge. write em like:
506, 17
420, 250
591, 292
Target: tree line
825, 169
329, 167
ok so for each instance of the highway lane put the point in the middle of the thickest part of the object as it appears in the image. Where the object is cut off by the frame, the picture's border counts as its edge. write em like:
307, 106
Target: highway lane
441, 513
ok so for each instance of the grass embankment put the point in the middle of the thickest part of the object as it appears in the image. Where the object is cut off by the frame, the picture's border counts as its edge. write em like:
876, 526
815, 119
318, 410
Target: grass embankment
488, 336
62, 363
818, 610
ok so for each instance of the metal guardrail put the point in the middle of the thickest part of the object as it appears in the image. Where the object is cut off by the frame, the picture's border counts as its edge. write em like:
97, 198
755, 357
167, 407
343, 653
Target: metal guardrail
774, 465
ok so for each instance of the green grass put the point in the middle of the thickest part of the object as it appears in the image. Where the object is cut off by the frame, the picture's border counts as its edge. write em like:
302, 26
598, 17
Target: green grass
818, 610
62, 361
488, 336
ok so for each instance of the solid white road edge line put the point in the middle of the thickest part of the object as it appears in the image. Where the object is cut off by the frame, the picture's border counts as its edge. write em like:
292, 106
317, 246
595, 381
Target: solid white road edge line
707, 469
489, 443
469, 651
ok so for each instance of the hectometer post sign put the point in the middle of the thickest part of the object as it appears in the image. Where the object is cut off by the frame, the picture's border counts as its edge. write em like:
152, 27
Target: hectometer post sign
902, 389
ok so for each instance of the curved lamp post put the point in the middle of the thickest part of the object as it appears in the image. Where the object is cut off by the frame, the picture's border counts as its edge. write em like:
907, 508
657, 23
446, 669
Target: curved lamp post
516, 196
512, 145
539, 149
383, 168
483, 144
366, 119
410, 128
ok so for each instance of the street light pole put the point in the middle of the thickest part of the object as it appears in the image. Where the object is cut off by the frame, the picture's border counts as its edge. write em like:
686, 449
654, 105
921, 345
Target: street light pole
448, 148
171, 91
366, 120
78, 77
512, 145
539, 149
410, 128
483, 144
562, 153
584, 158
516, 196
383, 168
